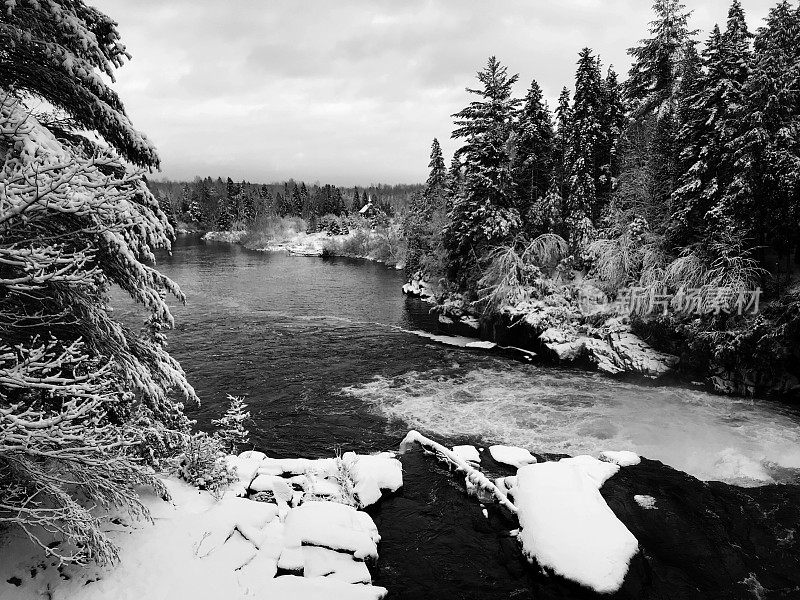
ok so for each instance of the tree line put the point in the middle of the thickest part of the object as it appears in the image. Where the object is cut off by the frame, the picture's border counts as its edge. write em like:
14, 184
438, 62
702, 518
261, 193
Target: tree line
221, 204
690, 166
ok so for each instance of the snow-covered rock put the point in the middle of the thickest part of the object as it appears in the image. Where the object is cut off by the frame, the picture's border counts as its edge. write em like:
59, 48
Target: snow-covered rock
373, 474
511, 455
468, 453
624, 458
566, 525
332, 525
272, 483
323, 562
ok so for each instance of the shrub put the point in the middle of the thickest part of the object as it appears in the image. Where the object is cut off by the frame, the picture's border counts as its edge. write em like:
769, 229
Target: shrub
203, 464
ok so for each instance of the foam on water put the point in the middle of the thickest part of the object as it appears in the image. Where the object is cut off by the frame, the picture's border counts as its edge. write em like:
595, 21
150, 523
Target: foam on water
735, 440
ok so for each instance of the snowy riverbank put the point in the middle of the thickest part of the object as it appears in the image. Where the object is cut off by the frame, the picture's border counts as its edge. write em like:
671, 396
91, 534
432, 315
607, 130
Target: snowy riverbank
613, 526
288, 528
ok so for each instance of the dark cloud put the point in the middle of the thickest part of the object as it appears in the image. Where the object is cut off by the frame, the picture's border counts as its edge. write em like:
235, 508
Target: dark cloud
350, 91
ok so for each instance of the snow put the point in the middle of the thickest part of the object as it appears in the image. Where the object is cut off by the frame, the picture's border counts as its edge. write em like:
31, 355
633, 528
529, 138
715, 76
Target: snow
483, 345
201, 548
567, 527
272, 483
320, 562
334, 526
624, 458
373, 474
646, 502
468, 453
292, 587
511, 455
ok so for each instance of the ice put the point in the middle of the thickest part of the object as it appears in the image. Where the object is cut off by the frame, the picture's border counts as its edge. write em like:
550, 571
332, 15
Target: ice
511, 455
567, 527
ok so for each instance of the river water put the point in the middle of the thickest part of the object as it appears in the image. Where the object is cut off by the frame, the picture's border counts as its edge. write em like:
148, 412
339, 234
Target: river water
330, 355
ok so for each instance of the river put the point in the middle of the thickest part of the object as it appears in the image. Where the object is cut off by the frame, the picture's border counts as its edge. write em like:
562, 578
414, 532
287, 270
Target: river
330, 355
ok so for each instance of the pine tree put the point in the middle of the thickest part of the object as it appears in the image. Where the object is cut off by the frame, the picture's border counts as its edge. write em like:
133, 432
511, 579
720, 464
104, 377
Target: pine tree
705, 202
662, 68
532, 164
765, 188
195, 209
483, 214
436, 184
561, 142
86, 401
455, 180
584, 147
231, 427
612, 122
165, 204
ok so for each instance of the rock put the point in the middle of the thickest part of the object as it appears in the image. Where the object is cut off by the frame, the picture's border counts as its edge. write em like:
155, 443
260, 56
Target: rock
511, 455
272, 483
468, 453
636, 356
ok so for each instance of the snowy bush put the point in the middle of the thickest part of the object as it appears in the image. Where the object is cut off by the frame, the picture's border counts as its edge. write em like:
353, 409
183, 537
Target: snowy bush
231, 428
203, 464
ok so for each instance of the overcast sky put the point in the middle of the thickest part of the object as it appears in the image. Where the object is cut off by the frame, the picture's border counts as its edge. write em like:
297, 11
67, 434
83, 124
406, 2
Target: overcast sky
347, 91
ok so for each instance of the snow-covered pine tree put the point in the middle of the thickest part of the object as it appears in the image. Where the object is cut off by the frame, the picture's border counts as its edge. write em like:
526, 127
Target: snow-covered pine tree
165, 204
231, 427
455, 180
766, 153
584, 147
483, 214
561, 143
82, 398
613, 122
532, 163
705, 204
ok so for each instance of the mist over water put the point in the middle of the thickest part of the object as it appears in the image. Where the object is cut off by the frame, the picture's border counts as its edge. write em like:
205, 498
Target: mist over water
330, 355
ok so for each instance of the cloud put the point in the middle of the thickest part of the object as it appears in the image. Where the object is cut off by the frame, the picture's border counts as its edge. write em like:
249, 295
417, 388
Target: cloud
347, 92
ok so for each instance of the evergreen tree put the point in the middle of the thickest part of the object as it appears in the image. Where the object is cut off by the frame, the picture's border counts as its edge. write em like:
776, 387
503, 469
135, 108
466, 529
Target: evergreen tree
483, 214
437, 178
705, 201
662, 68
231, 427
584, 147
186, 195
85, 401
455, 180
765, 189
532, 164
165, 204
297, 202
612, 123
195, 209
561, 143
356, 204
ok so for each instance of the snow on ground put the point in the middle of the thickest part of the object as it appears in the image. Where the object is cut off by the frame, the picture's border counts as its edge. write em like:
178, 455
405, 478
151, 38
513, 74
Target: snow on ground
567, 527
623, 458
199, 548
511, 455
646, 502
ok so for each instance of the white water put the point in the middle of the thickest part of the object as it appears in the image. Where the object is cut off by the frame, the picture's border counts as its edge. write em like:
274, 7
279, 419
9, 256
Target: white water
735, 440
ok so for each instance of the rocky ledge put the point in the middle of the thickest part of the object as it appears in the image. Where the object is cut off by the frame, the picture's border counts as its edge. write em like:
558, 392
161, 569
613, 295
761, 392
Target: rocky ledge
556, 330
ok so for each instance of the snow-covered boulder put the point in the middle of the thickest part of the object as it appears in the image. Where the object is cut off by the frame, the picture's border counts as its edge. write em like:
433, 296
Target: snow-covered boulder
373, 474
332, 525
623, 458
319, 588
566, 525
468, 453
279, 487
511, 455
